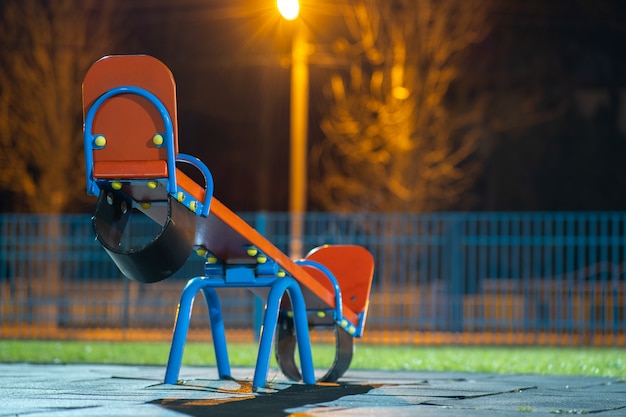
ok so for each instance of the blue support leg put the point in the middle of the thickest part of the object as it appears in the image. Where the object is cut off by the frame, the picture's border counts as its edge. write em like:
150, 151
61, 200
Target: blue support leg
181, 328
301, 325
218, 332
270, 320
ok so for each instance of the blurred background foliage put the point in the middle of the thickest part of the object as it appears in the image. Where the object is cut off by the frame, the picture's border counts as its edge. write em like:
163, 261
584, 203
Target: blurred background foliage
415, 105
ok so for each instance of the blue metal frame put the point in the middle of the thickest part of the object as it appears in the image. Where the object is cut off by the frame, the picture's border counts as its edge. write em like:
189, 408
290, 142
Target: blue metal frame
89, 137
220, 275
225, 276
354, 330
208, 180
338, 312
168, 143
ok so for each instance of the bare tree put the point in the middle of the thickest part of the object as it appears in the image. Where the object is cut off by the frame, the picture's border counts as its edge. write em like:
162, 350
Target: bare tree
392, 142
46, 49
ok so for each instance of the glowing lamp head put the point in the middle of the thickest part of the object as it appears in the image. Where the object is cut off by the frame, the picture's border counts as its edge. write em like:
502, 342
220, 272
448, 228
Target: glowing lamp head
289, 9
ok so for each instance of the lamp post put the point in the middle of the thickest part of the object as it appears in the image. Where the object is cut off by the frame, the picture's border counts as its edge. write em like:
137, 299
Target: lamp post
299, 109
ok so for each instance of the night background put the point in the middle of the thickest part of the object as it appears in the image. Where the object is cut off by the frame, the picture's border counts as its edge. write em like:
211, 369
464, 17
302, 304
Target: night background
473, 147
544, 80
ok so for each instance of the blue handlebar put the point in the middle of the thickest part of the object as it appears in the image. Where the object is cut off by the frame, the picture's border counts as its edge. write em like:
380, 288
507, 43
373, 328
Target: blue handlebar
88, 135
208, 179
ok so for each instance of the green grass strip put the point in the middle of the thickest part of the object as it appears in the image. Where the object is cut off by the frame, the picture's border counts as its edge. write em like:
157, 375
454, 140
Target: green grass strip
608, 362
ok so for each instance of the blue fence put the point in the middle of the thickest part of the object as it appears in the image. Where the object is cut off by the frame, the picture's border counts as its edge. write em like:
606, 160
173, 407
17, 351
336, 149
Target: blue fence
498, 278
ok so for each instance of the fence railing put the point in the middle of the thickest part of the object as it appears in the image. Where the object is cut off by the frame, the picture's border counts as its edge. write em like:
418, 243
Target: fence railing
498, 278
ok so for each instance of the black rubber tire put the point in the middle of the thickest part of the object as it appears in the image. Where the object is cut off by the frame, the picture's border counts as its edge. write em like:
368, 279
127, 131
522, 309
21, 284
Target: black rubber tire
286, 347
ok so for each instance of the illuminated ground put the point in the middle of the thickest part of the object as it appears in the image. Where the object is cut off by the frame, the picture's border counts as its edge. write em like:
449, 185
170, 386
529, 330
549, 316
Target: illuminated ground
107, 390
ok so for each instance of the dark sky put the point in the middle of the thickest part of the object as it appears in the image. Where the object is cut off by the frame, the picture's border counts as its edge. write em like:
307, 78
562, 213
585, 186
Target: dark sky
230, 60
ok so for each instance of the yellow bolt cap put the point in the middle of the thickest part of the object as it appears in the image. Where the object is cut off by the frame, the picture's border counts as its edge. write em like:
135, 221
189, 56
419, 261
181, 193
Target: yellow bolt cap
157, 139
321, 314
116, 185
201, 252
146, 206
100, 141
252, 251
152, 184
193, 205
211, 259
261, 259
180, 196
281, 274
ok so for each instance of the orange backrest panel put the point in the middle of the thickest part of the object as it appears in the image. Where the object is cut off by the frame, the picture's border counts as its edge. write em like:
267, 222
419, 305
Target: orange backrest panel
128, 121
353, 267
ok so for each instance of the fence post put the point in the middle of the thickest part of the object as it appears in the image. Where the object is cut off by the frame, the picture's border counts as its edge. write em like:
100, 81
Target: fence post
457, 287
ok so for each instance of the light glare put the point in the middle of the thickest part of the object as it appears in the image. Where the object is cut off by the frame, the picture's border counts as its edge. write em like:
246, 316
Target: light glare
289, 9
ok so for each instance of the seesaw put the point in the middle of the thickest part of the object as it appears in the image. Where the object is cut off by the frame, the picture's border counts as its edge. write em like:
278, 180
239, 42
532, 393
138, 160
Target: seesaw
134, 167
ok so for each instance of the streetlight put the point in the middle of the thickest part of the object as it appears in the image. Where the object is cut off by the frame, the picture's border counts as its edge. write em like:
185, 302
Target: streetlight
289, 9
299, 109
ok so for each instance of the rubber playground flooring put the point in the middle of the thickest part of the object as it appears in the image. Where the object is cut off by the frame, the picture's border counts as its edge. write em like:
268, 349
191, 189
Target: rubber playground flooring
114, 390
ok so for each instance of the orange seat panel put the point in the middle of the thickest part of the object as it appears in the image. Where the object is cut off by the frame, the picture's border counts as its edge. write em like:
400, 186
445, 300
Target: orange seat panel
113, 170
